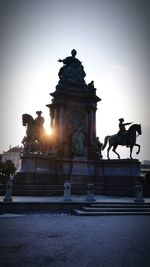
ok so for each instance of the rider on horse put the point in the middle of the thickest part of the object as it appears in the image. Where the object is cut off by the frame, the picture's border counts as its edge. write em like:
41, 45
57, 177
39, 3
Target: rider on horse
39, 121
122, 130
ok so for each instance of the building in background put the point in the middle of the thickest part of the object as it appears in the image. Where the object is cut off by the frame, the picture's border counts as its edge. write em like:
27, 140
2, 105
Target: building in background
13, 154
145, 167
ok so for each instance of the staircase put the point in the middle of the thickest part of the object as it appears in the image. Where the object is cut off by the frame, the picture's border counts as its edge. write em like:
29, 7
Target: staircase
114, 209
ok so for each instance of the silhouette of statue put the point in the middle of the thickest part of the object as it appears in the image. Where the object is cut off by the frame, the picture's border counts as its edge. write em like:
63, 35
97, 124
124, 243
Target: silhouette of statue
71, 61
91, 87
129, 139
122, 129
123, 132
39, 121
72, 69
78, 142
98, 148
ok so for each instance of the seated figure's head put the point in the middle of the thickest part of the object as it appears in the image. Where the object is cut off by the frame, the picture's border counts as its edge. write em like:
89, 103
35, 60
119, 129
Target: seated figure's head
73, 52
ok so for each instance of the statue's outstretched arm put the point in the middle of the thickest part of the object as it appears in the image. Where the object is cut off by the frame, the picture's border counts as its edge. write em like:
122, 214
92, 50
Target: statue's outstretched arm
128, 123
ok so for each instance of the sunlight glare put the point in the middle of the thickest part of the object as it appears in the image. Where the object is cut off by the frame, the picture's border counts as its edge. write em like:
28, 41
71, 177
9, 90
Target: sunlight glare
49, 131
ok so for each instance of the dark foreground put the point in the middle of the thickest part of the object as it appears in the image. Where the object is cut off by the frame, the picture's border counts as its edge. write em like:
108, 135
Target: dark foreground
63, 240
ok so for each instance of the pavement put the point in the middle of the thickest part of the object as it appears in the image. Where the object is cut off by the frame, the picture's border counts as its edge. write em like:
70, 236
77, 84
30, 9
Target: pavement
57, 204
64, 240
60, 240
74, 198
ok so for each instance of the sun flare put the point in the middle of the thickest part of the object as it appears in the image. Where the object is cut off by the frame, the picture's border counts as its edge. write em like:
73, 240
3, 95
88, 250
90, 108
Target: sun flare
49, 131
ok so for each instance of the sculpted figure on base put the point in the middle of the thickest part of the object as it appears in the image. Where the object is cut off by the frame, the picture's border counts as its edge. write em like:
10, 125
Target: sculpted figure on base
123, 138
122, 130
98, 148
36, 139
39, 121
91, 88
72, 70
78, 142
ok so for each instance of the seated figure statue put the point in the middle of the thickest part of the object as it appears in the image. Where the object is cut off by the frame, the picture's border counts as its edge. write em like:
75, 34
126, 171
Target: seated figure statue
72, 70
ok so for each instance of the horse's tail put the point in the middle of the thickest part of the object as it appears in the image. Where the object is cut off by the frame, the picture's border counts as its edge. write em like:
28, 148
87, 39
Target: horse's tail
105, 142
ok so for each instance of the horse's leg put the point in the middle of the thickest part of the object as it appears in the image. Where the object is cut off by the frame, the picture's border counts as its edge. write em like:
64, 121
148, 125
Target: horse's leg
138, 148
114, 150
108, 149
131, 148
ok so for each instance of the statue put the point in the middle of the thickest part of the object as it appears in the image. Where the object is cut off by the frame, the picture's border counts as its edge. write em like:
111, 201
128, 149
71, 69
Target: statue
71, 61
39, 121
128, 140
91, 88
122, 129
36, 139
78, 142
98, 148
30, 138
72, 70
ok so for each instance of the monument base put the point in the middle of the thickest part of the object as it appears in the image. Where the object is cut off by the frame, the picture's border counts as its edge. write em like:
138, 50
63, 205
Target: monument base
45, 176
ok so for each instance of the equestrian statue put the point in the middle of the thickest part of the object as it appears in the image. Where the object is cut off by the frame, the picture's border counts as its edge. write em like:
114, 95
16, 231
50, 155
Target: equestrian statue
36, 139
124, 138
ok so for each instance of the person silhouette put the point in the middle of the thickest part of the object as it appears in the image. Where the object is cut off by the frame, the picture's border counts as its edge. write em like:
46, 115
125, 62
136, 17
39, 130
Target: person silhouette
122, 129
123, 132
72, 69
71, 61
39, 121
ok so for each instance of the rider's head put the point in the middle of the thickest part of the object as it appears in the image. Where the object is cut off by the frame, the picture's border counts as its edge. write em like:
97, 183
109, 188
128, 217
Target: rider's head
38, 113
121, 120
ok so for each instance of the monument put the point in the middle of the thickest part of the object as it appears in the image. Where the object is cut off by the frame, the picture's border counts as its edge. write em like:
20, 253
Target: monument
73, 153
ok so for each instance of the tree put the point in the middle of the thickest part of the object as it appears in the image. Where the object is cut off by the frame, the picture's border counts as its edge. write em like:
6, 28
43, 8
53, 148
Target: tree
7, 168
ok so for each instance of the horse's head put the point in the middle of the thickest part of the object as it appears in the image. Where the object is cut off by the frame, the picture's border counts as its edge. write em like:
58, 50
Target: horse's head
26, 119
135, 128
139, 130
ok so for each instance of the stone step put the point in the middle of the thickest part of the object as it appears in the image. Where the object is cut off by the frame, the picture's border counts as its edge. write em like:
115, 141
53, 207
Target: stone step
118, 205
81, 212
114, 209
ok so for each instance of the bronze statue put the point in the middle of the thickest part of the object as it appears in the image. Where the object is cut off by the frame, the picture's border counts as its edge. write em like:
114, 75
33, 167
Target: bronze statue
78, 142
122, 129
36, 138
91, 88
129, 140
72, 69
71, 61
39, 121
98, 148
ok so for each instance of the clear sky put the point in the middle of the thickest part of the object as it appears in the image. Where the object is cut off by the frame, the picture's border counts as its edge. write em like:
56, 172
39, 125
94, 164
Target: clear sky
112, 39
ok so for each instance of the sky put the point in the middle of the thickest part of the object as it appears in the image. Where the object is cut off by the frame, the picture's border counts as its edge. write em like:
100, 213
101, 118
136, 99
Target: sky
112, 39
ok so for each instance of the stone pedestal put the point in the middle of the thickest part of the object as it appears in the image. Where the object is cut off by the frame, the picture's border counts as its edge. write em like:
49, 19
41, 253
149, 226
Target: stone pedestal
139, 193
8, 191
90, 193
79, 167
67, 191
46, 176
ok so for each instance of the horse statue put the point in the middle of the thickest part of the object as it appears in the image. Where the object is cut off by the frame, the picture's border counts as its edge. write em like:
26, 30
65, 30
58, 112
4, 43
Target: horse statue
30, 140
35, 140
129, 140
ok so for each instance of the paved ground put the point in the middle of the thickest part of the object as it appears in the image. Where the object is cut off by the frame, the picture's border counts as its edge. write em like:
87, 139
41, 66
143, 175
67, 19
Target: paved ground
69, 241
99, 198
